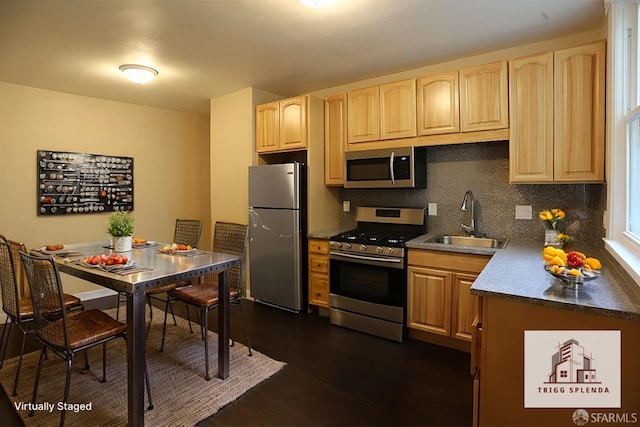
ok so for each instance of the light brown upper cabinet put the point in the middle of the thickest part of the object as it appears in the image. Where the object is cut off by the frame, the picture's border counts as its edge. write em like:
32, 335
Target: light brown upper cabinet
382, 112
557, 116
398, 109
438, 104
484, 97
282, 125
579, 114
531, 128
267, 127
364, 115
335, 138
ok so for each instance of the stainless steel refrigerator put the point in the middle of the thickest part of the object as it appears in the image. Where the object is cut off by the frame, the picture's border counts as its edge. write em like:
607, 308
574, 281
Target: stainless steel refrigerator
277, 235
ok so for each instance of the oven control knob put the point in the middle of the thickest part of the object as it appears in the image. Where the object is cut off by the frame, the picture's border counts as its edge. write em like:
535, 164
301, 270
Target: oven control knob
363, 248
380, 249
338, 245
390, 251
348, 245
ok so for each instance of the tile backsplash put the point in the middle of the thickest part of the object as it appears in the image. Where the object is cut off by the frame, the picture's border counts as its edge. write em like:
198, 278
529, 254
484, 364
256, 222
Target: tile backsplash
484, 169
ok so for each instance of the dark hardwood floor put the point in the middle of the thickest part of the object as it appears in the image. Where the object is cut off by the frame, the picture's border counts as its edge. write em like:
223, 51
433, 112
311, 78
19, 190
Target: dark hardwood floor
334, 376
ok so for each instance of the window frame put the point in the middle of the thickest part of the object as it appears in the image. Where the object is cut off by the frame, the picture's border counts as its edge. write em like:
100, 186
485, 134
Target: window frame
622, 97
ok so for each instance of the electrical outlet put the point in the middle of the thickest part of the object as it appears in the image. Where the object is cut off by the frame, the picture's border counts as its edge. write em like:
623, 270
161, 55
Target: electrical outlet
433, 209
346, 206
524, 212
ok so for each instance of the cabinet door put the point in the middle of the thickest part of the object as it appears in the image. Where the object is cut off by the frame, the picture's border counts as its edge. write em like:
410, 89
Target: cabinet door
364, 115
465, 307
483, 97
429, 300
398, 109
267, 127
335, 138
531, 119
293, 123
579, 114
438, 104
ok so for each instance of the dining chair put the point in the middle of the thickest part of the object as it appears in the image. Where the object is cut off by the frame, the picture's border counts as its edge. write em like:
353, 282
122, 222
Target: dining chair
21, 280
228, 238
66, 334
186, 232
18, 310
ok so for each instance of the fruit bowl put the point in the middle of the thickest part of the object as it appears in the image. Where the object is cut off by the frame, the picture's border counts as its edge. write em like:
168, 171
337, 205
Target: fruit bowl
572, 277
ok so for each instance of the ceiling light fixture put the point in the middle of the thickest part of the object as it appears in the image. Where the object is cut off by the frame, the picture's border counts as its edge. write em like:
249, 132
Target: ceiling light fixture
138, 73
318, 3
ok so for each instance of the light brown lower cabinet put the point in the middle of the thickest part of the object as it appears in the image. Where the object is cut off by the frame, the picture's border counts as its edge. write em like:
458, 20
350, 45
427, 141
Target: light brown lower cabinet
440, 307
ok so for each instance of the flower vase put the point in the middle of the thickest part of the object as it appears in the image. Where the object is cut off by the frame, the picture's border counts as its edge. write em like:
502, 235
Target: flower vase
121, 244
551, 239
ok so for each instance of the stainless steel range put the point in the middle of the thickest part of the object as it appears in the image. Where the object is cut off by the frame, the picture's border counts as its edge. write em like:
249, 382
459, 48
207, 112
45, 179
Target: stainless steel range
368, 271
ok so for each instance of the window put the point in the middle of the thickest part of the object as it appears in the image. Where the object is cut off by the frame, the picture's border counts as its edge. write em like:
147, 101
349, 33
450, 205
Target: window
563, 374
623, 153
633, 176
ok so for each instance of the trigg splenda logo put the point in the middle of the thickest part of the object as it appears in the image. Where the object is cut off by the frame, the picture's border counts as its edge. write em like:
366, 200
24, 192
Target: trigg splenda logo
572, 369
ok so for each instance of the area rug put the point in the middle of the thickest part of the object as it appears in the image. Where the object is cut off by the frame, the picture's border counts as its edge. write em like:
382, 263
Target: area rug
180, 394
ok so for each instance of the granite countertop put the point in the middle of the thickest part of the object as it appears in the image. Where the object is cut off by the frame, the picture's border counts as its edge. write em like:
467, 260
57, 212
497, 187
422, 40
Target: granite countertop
324, 234
516, 273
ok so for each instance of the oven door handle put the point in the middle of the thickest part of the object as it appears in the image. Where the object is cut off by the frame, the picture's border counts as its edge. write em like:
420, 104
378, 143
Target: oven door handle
365, 259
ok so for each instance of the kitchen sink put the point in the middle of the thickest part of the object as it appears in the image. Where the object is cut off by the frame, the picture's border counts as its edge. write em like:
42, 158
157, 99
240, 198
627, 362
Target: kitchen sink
479, 242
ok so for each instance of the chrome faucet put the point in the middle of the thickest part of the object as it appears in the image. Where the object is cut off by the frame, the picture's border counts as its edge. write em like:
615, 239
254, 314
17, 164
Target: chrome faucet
468, 206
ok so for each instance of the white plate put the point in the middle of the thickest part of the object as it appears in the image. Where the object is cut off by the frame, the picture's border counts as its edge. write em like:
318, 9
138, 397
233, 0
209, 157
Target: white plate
116, 267
185, 252
46, 251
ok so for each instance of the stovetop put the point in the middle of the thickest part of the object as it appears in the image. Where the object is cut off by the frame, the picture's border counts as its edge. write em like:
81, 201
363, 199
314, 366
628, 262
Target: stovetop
380, 232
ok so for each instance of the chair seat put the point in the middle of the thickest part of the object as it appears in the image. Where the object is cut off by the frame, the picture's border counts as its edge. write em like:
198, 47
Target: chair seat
161, 289
84, 328
201, 295
26, 306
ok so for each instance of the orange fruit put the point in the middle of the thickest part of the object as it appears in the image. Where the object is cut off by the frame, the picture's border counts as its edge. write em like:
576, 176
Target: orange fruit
556, 260
593, 263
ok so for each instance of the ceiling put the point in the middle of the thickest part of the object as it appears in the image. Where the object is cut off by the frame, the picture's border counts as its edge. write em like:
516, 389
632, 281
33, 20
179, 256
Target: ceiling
207, 48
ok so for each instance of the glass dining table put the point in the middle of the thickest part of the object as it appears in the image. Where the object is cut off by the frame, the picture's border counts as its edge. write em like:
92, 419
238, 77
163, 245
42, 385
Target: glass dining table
162, 269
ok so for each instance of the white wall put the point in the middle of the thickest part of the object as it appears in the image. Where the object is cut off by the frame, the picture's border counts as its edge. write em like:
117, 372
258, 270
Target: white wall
171, 167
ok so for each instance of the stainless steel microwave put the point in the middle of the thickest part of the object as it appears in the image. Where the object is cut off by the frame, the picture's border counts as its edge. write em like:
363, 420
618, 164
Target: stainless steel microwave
404, 167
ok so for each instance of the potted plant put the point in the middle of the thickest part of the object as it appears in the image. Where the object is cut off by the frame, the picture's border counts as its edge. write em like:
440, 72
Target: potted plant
121, 230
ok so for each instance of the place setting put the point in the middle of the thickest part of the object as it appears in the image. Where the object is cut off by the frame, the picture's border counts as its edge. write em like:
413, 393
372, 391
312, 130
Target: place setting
58, 250
114, 263
180, 250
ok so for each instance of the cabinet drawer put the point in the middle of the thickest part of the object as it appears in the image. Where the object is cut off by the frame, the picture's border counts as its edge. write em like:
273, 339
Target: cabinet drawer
319, 246
319, 290
319, 264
